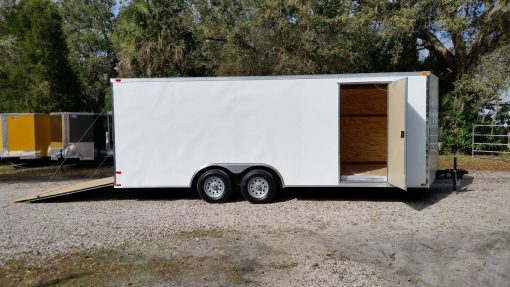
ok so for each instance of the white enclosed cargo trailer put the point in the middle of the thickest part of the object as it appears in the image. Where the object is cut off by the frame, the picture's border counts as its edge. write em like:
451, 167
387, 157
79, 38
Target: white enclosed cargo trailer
261, 133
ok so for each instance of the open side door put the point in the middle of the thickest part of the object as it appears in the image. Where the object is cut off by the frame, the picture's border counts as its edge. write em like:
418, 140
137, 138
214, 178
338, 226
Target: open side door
397, 105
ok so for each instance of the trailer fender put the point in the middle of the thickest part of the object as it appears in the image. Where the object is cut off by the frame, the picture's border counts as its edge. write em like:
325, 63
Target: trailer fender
238, 169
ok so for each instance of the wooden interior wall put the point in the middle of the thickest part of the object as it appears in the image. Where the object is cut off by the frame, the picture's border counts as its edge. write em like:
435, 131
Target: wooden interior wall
362, 99
364, 139
363, 125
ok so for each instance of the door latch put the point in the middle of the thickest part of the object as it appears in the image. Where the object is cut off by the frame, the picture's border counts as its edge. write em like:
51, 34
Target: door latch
402, 134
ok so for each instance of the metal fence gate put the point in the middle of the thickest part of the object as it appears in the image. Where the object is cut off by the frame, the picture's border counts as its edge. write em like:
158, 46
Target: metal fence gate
490, 139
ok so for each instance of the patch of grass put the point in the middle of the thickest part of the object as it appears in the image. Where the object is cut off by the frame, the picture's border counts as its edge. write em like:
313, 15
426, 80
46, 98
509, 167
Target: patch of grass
478, 162
87, 268
283, 266
117, 268
10, 170
5, 168
200, 257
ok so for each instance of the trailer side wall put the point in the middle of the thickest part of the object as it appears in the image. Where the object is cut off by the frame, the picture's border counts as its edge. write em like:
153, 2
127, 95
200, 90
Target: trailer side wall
166, 131
21, 133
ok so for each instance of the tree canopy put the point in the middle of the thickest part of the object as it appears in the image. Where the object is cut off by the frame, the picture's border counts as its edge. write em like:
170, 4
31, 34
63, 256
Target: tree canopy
87, 27
58, 55
155, 39
35, 74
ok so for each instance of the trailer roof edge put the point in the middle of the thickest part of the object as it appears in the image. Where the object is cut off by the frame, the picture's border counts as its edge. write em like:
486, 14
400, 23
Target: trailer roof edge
296, 77
73, 113
23, 114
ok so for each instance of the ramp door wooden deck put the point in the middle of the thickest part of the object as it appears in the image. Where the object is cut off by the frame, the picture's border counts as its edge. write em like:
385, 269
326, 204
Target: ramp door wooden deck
70, 189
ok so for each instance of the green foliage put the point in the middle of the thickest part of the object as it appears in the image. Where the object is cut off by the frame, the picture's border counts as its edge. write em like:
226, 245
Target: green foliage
473, 95
155, 39
35, 75
463, 41
456, 33
58, 55
282, 37
200, 38
455, 125
483, 84
87, 26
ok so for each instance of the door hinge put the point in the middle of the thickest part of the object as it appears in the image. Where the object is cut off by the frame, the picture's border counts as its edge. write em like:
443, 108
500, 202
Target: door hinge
402, 134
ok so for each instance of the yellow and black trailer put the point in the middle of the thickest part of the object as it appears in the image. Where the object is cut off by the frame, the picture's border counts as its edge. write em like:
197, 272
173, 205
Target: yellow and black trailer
24, 135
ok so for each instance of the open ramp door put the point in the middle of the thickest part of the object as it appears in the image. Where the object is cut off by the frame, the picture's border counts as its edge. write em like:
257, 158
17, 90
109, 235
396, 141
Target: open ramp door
397, 103
70, 189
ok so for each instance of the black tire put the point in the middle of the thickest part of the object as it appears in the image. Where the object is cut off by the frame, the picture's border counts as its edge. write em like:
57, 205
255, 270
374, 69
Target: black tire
214, 181
258, 179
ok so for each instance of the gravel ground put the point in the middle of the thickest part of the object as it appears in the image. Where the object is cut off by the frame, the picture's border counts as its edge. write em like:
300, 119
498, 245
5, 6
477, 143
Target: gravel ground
324, 237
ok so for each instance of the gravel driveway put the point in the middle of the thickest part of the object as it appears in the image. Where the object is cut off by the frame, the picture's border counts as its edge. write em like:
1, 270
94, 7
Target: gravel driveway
309, 237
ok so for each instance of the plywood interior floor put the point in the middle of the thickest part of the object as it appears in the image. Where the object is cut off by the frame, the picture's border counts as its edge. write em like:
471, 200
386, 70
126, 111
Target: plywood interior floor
380, 169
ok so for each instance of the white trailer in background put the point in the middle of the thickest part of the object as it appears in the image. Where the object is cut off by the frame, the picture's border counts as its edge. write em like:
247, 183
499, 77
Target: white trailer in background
261, 133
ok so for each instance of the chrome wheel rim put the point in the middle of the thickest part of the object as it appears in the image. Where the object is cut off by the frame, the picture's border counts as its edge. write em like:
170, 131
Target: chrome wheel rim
258, 187
214, 187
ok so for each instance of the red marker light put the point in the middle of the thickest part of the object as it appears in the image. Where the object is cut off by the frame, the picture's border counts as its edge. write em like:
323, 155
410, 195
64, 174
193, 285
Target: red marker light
118, 80
118, 172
